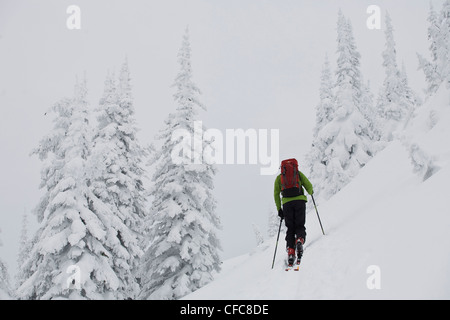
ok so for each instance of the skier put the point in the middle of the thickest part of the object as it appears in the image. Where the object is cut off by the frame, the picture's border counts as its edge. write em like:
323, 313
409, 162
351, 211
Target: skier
290, 184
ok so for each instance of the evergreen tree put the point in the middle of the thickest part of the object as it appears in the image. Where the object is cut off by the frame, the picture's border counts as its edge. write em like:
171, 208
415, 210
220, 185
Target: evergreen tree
369, 111
395, 101
5, 286
24, 251
391, 87
81, 246
258, 235
437, 71
324, 115
347, 137
117, 175
433, 32
274, 224
325, 109
183, 251
67, 221
410, 97
349, 79
443, 50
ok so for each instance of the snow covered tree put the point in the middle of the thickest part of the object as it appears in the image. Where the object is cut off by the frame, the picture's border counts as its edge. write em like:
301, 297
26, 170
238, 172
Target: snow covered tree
24, 241
5, 287
437, 71
258, 235
325, 109
64, 209
410, 97
395, 101
430, 69
391, 85
324, 115
443, 50
349, 79
80, 250
24, 251
117, 174
423, 164
369, 111
273, 222
184, 246
346, 140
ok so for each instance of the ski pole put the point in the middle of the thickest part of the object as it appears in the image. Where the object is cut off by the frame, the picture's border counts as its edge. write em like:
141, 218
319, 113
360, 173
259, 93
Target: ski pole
317, 214
276, 246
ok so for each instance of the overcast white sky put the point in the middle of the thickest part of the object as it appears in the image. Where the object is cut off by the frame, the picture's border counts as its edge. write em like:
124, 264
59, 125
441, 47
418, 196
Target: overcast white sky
257, 62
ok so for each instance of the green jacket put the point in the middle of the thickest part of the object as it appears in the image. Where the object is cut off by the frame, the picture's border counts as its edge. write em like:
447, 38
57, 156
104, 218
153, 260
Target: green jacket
304, 182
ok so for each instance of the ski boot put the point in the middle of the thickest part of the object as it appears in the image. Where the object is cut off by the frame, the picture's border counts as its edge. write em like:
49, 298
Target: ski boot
299, 242
291, 257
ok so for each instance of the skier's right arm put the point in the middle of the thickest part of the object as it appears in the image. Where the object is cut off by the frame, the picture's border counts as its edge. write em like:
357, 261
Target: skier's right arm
306, 183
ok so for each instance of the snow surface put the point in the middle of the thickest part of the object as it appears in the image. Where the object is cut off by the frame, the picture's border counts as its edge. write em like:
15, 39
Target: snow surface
388, 216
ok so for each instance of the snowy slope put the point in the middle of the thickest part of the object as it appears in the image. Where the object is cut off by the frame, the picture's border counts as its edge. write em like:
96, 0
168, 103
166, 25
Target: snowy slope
4, 295
388, 216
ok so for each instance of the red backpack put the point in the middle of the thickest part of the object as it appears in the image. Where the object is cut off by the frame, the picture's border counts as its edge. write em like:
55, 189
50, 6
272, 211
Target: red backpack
290, 179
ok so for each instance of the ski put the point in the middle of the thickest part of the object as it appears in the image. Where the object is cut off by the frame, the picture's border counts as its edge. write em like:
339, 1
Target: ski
290, 266
294, 266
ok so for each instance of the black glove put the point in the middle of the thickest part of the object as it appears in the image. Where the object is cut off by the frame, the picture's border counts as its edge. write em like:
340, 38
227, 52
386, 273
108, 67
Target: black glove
281, 214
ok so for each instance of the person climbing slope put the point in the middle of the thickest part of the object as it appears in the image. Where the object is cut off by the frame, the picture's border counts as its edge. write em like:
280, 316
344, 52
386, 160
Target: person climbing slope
292, 206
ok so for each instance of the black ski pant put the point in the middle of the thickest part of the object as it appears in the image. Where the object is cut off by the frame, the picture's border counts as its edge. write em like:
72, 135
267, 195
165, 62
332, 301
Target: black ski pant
294, 218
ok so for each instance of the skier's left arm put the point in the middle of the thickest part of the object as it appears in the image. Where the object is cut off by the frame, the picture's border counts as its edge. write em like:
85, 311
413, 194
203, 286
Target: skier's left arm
306, 183
276, 193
